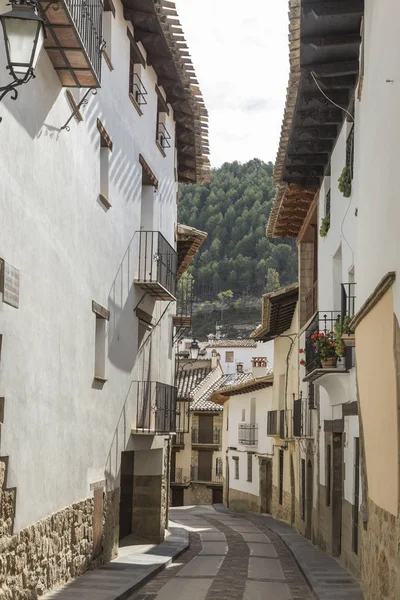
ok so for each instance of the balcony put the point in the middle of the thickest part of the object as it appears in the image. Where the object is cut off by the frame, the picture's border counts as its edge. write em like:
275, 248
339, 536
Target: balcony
184, 303
206, 475
206, 437
157, 266
155, 408
311, 301
74, 40
272, 422
180, 476
302, 419
179, 440
322, 322
348, 294
248, 434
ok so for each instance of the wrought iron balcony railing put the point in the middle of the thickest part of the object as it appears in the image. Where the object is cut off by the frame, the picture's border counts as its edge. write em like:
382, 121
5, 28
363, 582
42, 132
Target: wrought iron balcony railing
348, 305
157, 267
180, 475
155, 407
179, 440
324, 322
184, 303
302, 419
206, 475
74, 40
163, 136
248, 434
272, 422
182, 417
204, 437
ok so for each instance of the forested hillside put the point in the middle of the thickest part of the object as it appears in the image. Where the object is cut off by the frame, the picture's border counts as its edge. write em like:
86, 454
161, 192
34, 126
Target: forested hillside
234, 208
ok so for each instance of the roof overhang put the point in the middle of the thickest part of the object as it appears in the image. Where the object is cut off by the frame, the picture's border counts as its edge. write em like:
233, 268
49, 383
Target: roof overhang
324, 40
223, 394
189, 241
157, 27
277, 312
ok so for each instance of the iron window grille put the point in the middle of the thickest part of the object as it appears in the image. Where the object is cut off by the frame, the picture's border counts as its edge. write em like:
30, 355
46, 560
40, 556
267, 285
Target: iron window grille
155, 407
136, 87
204, 474
163, 136
323, 322
248, 434
302, 417
210, 437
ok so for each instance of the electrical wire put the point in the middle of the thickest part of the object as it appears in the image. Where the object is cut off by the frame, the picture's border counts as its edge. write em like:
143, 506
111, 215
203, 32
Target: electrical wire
329, 99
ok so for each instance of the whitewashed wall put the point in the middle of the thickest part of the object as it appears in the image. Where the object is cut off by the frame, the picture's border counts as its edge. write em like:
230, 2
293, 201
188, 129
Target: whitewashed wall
70, 251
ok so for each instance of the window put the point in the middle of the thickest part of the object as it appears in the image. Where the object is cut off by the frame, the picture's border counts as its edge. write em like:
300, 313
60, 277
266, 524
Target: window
236, 461
328, 470
356, 493
303, 489
350, 151
102, 316
328, 204
145, 324
163, 137
272, 418
137, 65
229, 356
106, 146
108, 17
243, 414
218, 467
281, 458
249, 467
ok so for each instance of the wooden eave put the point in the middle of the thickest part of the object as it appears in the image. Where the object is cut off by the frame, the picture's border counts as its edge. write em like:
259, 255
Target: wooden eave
277, 312
223, 394
291, 205
189, 241
156, 26
324, 41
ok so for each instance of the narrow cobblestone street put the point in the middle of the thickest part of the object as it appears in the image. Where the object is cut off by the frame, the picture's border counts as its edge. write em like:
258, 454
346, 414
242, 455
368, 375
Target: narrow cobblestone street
230, 558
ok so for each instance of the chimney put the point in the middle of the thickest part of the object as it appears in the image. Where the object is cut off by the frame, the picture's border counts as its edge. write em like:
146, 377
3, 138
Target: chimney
215, 358
259, 366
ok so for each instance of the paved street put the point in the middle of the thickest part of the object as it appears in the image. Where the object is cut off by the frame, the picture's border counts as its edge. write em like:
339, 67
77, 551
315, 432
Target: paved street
230, 558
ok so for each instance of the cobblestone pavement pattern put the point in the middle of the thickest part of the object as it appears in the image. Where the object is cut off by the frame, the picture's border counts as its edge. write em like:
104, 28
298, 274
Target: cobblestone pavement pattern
230, 558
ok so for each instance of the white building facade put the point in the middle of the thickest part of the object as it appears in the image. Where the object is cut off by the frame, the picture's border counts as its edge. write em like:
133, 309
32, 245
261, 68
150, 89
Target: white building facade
89, 264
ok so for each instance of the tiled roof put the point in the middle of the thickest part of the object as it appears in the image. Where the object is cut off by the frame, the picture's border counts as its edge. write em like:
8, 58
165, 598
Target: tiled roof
189, 379
229, 344
204, 403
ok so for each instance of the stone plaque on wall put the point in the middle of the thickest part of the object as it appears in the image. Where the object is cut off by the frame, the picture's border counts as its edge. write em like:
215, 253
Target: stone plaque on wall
10, 285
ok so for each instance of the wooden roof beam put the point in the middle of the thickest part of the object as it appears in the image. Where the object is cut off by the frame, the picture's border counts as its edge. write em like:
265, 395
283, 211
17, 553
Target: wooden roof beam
345, 39
333, 69
318, 132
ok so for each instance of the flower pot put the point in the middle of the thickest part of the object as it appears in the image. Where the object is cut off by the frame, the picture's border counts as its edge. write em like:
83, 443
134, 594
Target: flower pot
348, 339
329, 363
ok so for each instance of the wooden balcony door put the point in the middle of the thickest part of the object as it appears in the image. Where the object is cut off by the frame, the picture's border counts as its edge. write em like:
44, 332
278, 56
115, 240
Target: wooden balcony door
206, 429
205, 465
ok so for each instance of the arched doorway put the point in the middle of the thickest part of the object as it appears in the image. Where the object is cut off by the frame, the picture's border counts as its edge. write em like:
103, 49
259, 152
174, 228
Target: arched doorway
292, 492
309, 499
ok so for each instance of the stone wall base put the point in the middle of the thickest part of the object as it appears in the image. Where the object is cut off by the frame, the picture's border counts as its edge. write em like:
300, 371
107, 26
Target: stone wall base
148, 515
56, 549
281, 511
198, 493
243, 501
380, 565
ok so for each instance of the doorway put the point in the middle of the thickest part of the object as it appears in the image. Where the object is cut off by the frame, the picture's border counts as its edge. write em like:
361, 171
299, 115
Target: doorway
177, 496
265, 486
337, 493
206, 429
205, 466
126, 497
309, 499
292, 492
217, 496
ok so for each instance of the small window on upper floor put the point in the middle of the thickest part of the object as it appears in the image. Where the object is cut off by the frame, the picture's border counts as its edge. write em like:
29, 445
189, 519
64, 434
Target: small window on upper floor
163, 137
102, 316
137, 65
105, 151
328, 204
243, 414
108, 22
229, 356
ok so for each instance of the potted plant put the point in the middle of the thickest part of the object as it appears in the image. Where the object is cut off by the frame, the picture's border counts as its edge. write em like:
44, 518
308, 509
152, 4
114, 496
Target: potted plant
325, 225
327, 347
345, 182
347, 336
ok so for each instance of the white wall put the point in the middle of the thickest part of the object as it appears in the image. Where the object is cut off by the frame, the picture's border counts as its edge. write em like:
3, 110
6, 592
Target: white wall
241, 355
60, 432
263, 402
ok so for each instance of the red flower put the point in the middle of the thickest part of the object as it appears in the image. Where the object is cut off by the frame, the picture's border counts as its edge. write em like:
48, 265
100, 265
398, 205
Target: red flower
302, 362
301, 351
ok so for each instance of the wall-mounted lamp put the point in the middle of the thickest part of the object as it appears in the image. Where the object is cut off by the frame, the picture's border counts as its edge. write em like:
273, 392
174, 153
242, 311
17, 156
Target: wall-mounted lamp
24, 35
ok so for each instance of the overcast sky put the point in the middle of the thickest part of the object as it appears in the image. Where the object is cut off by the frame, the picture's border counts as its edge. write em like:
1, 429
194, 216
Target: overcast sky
240, 54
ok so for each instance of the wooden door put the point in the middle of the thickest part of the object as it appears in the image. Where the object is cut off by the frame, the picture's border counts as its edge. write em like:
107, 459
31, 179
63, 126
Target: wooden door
206, 429
177, 496
337, 494
126, 498
205, 466
309, 500
217, 496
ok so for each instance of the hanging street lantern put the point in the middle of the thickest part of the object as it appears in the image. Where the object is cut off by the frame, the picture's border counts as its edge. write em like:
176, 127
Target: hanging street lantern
194, 350
24, 35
